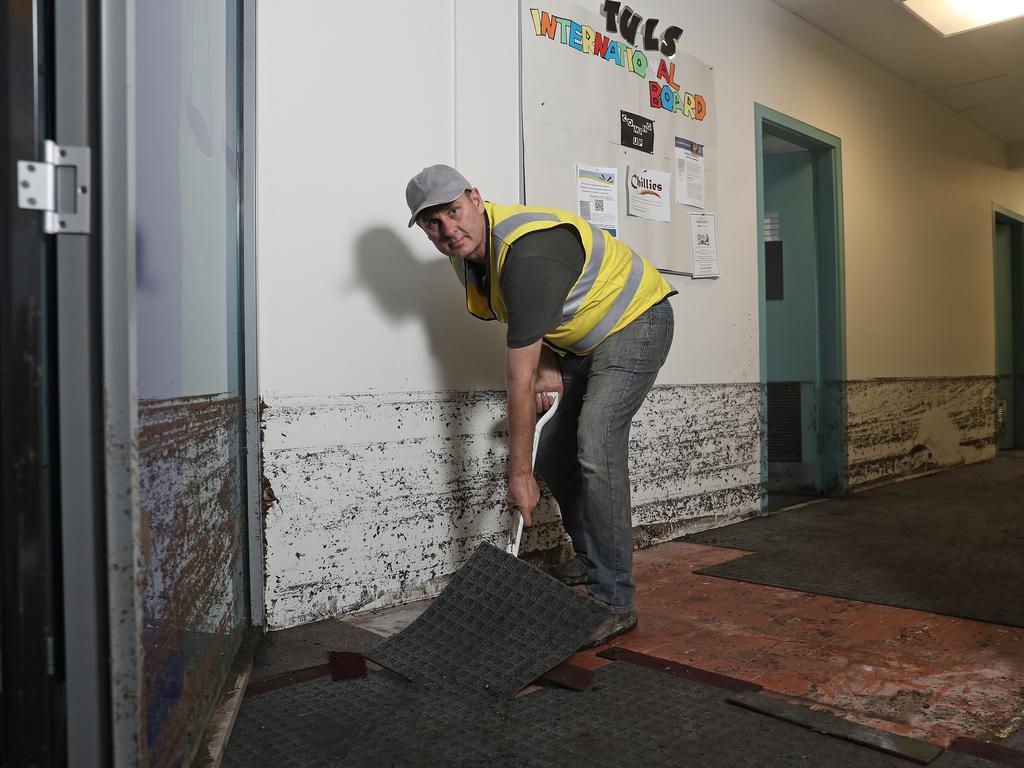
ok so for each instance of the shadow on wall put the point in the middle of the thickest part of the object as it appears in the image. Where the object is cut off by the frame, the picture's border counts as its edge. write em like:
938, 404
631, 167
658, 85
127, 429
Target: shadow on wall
469, 353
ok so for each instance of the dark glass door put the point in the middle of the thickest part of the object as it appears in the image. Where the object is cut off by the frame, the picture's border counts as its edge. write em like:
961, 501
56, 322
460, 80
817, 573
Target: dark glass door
31, 722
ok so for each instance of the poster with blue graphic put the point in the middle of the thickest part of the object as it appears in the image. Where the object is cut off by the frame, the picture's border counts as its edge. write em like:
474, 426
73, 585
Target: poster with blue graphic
597, 197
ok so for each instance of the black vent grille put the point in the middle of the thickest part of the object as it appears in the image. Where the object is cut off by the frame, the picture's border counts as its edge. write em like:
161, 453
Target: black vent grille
774, 279
785, 431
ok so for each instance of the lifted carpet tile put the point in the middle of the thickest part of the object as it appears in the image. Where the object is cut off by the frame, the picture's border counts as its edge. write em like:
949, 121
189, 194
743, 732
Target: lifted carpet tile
498, 625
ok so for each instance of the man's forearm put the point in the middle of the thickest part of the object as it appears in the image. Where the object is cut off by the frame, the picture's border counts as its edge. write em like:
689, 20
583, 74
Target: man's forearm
522, 420
520, 375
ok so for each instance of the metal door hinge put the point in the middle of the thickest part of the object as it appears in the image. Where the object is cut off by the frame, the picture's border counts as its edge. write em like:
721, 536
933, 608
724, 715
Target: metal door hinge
62, 197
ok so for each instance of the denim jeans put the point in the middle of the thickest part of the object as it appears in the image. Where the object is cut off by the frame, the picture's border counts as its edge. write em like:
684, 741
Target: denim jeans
584, 449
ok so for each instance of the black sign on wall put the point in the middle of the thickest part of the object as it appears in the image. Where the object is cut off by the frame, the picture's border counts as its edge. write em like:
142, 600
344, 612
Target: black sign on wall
637, 132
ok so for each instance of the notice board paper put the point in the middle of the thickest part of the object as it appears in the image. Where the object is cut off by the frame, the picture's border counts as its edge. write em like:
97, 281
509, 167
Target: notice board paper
649, 194
689, 173
637, 132
704, 245
597, 196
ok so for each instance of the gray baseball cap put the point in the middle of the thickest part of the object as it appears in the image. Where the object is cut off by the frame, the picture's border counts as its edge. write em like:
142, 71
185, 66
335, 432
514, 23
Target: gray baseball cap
433, 186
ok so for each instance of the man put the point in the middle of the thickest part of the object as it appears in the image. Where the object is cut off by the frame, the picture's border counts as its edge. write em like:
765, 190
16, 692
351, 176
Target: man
587, 318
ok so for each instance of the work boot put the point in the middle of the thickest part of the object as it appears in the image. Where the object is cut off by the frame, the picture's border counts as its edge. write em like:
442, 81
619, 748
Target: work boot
617, 623
572, 572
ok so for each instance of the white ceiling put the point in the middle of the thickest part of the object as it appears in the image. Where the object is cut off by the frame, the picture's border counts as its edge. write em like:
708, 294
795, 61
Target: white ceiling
977, 74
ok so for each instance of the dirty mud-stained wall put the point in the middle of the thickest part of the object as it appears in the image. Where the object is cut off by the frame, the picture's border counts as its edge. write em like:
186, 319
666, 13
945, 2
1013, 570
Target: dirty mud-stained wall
902, 427
191, 565
381, 514
418, 483
694, 459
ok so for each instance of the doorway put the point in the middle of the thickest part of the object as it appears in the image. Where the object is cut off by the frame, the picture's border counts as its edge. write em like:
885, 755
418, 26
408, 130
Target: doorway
801, 302
1008, 254
127, 396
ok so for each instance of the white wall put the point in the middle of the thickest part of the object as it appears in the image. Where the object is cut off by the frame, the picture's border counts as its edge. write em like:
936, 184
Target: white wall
360, 319
351, 301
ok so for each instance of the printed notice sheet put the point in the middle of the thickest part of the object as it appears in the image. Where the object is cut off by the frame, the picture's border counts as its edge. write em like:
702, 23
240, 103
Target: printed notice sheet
597, 196
648, 194
704, 245
689, 173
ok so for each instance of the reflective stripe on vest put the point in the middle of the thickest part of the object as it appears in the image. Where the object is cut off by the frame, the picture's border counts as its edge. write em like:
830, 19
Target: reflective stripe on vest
618, 307
587, 279
511, 224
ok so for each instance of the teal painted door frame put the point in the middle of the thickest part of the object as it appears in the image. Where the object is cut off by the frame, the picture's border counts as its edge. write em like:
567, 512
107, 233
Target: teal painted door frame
832, 477
1008, 279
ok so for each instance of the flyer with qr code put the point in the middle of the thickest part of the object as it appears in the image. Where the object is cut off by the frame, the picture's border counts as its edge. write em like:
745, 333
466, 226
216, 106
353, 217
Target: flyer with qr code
597, 196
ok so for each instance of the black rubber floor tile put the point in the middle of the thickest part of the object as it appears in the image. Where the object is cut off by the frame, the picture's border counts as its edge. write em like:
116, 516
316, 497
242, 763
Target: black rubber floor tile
380, 720
1002, 754
628, 716
632, 716
498, 625
916, 750
949, 544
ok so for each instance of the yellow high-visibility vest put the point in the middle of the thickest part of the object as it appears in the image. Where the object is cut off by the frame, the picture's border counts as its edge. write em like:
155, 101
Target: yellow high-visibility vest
614, 288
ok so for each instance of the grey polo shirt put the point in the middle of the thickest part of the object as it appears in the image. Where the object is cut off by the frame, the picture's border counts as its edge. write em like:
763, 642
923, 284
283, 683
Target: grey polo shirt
539, 270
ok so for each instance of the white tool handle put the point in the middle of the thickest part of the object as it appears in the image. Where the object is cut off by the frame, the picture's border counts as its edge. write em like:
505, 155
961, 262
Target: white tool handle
516, 535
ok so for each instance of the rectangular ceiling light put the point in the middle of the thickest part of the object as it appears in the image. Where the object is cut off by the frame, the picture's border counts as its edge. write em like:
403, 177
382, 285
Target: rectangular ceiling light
951, 17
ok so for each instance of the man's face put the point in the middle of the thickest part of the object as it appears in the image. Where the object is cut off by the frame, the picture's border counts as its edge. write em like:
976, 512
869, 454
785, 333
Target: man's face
458, 228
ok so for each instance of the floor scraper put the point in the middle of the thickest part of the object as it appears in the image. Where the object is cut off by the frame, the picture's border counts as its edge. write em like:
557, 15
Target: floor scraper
515, 535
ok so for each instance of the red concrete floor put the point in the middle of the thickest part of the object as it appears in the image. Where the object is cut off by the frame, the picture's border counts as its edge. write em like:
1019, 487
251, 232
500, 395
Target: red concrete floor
918, 674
